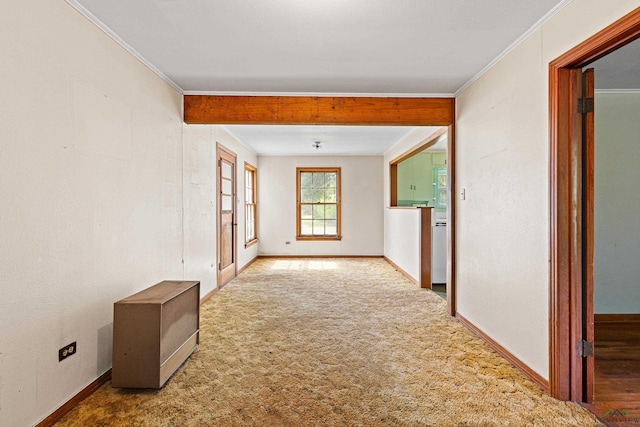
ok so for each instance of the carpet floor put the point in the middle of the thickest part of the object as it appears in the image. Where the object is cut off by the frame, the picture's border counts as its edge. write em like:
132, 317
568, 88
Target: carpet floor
332, 342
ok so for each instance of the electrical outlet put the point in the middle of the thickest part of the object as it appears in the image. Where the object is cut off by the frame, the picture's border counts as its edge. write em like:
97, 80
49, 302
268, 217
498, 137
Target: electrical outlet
287, 243
66, 351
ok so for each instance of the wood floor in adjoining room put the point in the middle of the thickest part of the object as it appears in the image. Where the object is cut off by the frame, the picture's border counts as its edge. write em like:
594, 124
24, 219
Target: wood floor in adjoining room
617, 373
617, 353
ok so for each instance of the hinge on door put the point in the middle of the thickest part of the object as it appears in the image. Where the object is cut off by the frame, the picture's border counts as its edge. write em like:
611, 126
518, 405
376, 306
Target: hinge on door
585, 105
219, 266
585, 348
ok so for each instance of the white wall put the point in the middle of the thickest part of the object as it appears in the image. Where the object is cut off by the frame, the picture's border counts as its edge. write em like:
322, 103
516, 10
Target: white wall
617, 203
92, 199
362, 213
199, 188
91, 206
502, 162
402, 239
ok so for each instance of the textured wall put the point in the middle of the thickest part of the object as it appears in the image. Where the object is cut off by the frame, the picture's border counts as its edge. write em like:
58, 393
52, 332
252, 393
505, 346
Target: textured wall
402, 239
362, 216
502, 161
92, 199
91, 206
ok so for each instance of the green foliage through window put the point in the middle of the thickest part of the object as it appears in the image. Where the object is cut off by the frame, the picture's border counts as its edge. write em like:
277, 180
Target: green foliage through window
318, 204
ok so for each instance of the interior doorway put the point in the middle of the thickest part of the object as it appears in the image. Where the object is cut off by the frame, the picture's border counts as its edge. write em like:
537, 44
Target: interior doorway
581, 348
612, 227
226, 213
419, 178
341, 110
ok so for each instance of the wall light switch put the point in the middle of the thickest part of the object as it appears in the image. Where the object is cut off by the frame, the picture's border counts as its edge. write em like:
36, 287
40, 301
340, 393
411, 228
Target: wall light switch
463, 194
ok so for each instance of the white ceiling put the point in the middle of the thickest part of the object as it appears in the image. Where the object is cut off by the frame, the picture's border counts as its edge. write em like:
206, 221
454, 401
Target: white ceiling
373, 47
335, 140
319, 46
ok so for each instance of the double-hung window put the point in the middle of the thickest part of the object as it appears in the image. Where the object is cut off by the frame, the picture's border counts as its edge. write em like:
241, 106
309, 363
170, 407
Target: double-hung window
318, 204
251, 204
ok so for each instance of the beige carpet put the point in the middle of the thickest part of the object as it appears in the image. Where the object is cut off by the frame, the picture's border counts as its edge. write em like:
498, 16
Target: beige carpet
335, 342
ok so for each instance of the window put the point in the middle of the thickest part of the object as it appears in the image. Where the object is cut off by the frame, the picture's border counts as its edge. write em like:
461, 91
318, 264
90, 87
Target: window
318, 204
250, 203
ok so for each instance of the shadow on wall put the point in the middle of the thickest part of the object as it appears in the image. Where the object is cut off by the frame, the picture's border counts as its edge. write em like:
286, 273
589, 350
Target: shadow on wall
105, 347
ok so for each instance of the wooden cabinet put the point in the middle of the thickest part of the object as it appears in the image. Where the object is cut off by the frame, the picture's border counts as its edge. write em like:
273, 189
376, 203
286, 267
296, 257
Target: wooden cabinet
154, 332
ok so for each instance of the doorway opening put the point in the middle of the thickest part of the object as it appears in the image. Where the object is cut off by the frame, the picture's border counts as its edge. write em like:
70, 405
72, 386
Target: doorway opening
613, 223
419, 178
580, 352
342, 111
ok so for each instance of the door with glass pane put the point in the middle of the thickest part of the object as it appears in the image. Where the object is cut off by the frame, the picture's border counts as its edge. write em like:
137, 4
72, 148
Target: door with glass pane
226, 215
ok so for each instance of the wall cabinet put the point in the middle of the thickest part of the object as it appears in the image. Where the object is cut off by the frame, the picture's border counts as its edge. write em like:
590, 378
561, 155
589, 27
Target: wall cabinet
405, 179
416, 185
154, 332
439, 159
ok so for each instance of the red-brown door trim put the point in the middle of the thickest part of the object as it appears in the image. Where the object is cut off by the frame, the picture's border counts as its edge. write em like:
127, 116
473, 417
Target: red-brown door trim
564, 240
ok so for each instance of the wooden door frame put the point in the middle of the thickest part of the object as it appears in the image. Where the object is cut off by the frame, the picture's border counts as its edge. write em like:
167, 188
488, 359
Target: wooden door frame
340, 110
222, 148
565, 282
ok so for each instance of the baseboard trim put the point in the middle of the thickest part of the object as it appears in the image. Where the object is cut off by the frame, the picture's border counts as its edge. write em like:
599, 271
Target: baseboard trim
517, 363
244, 267
400, 270
208, 296
320, 256
617, 318
66, 407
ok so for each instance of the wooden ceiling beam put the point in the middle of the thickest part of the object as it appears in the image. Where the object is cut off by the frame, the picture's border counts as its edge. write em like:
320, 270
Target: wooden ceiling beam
318, 110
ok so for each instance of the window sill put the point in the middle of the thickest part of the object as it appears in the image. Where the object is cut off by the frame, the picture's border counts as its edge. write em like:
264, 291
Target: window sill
318, 238
251, 243
409, 207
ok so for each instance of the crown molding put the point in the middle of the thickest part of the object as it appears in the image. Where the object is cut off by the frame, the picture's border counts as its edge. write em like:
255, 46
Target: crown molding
105, 29
535, 27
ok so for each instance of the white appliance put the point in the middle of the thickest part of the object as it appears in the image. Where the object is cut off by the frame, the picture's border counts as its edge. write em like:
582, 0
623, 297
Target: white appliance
439, 251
